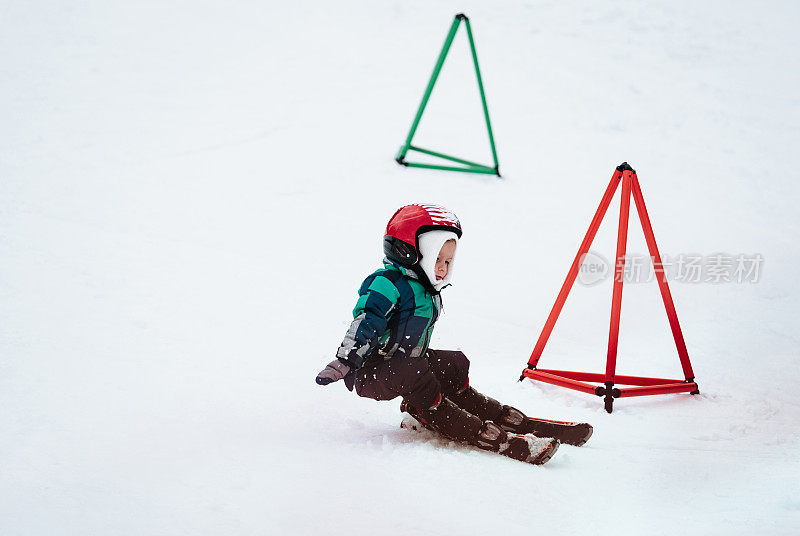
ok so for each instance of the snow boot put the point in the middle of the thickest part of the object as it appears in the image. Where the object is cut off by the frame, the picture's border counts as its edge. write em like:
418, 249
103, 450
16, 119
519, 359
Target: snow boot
525, 448
513, 420
488, 409
457, 424
448, 419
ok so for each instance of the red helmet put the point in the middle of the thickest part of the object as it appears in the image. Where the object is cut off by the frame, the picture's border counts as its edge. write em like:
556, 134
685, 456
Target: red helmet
400, 243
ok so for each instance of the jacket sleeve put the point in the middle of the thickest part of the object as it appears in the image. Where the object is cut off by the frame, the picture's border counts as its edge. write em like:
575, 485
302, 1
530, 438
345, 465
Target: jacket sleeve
378, 297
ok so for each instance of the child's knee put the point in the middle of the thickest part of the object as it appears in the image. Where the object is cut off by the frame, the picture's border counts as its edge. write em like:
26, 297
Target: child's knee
461, 364
451, 368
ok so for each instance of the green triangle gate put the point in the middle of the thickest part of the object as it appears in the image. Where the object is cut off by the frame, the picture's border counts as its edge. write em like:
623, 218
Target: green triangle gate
466, 165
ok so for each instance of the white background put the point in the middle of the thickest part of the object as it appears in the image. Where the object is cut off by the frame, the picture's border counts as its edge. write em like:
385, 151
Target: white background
192, 192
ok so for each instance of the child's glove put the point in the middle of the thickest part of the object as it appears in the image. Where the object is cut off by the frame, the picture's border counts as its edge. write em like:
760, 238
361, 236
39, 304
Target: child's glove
335, 371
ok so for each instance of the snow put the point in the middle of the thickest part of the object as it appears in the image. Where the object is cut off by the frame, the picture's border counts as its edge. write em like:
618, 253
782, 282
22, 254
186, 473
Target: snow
192, 192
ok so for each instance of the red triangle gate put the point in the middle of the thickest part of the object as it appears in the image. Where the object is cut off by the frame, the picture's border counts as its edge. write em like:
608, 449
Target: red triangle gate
642, 386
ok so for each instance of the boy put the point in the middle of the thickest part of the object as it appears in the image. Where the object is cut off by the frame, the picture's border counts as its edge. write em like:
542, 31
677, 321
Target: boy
385, 352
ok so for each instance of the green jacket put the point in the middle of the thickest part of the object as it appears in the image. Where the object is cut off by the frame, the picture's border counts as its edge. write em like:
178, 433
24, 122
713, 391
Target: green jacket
394, 316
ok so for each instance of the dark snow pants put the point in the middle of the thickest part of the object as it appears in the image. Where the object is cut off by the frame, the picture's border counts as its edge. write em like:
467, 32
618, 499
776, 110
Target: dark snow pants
419, 380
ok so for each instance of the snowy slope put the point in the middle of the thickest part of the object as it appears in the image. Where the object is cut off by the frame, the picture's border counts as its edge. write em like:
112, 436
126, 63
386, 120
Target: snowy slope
191, 193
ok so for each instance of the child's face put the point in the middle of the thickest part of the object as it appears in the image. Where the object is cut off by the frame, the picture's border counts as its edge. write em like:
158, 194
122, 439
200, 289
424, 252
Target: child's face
444, 259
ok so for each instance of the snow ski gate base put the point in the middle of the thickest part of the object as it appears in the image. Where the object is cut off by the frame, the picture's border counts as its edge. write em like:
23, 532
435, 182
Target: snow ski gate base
577, 380
466, 165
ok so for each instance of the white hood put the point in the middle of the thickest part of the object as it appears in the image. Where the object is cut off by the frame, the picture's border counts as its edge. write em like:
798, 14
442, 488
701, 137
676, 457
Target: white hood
430, 244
